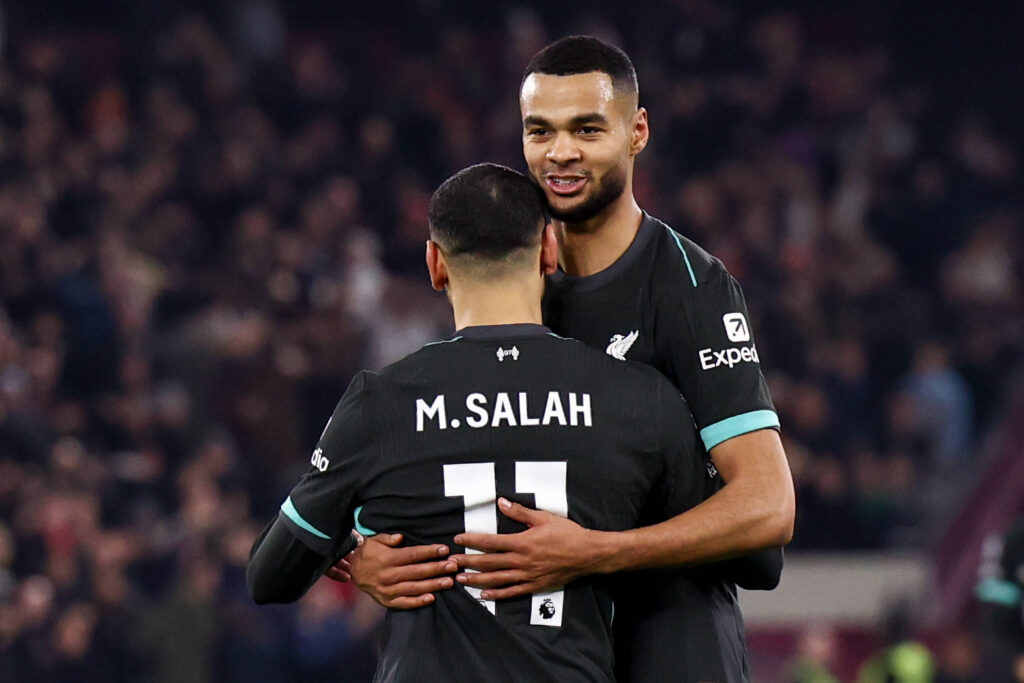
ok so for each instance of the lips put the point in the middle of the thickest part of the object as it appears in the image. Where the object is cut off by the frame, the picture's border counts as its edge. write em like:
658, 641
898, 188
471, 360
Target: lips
565, 184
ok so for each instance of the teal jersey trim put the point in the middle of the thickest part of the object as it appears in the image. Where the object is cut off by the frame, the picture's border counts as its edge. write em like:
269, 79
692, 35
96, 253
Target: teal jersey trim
712, 435
999, 592
288, 508
693, 278
443, 341
364, 530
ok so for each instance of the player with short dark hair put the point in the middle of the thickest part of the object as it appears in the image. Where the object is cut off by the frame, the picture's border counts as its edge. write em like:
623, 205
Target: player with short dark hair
573, 55
632, 286
504, 409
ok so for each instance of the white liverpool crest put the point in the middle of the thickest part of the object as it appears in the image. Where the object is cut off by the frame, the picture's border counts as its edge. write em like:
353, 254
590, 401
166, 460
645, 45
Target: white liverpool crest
620, 344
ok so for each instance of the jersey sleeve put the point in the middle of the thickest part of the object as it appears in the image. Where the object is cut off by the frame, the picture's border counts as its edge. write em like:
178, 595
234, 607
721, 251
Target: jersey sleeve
712, 357
320, 510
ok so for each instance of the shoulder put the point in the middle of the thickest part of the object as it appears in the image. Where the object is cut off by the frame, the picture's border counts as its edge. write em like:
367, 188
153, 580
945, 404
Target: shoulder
682, 261
419, 363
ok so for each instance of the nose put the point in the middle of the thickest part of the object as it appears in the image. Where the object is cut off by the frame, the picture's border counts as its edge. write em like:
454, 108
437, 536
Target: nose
563, 150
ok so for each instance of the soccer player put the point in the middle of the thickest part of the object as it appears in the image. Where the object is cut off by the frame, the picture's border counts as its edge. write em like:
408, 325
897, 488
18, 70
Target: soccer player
1001, 588
634, 287
503, 410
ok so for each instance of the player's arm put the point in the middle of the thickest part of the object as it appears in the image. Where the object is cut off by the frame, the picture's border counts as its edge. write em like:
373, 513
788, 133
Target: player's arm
554, 550
713, 359
313, 527
281, 567
753, 510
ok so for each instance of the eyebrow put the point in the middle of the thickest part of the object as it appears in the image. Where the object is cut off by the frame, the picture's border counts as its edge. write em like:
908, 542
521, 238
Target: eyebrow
574, 122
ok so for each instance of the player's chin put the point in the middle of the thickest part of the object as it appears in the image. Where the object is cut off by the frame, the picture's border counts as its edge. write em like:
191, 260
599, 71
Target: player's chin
565, 207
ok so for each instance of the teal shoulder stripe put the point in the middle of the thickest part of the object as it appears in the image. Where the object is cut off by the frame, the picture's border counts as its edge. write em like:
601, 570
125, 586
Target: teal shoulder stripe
291, 513
364, 530
712, 435
443, 341
999, 592
693, 278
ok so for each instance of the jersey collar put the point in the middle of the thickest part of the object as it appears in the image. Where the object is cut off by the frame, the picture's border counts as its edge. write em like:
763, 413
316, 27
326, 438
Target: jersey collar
648, 227
501, 331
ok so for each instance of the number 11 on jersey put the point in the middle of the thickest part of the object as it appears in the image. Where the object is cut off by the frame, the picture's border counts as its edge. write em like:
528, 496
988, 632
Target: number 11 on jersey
475, 483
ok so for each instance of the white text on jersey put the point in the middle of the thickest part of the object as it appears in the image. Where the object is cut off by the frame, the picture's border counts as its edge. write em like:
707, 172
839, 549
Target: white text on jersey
319, 461
709, 360
508, 410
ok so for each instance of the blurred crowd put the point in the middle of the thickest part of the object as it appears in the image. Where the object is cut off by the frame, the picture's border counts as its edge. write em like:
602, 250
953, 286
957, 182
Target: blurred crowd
210, 221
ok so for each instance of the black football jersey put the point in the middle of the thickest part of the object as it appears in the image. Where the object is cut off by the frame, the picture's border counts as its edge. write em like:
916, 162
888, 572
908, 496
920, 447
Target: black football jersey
426, 447
669, 304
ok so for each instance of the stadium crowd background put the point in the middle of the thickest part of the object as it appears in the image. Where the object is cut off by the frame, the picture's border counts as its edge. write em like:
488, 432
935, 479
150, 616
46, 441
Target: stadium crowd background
210, 219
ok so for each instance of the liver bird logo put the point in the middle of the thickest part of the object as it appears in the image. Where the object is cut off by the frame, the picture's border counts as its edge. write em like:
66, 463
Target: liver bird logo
620, 344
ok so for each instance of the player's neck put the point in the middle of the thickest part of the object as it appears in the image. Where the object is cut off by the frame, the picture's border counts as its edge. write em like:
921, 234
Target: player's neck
505, 302
591, 246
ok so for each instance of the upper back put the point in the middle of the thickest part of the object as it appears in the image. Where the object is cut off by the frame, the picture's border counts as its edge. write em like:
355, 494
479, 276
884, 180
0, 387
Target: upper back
516, 411
504, 411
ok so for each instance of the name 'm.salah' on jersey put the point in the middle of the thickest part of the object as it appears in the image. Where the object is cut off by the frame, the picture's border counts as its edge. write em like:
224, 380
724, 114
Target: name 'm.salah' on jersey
669, 304
426, 447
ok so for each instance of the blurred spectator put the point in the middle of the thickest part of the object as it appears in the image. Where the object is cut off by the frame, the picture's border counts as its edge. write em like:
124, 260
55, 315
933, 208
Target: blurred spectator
959, 660
901, 659
813, 662
942, 405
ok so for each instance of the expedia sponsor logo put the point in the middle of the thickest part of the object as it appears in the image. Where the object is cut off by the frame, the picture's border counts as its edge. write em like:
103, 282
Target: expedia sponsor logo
736, 327
710, 359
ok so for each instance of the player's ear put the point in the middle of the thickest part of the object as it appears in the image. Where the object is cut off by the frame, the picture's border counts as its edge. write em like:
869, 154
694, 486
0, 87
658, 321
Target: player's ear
436, 266
641, 132
548, 250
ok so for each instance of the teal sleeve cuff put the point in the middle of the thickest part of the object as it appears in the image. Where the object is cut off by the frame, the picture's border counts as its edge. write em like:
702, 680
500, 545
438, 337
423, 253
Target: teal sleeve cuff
363, 530
999, 592
288, 508
714, 434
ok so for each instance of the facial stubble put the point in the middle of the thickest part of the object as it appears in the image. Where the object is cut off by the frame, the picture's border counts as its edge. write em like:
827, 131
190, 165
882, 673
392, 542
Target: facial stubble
612, 187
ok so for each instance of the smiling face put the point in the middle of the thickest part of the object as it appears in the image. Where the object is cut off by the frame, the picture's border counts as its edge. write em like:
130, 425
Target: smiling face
579, 139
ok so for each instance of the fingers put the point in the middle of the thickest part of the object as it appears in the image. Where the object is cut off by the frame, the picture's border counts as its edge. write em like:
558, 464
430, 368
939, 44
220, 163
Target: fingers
521, 513
399, 556
488, 543
409, 603
417, 572
417, 553
390, 540
500, 579
487, 562
414, 589
335, 573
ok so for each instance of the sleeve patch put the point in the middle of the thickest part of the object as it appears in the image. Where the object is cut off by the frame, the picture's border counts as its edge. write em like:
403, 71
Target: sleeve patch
714, 434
